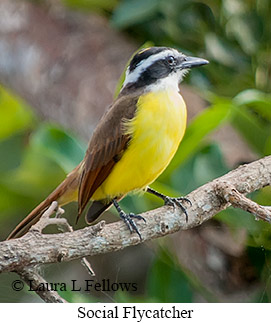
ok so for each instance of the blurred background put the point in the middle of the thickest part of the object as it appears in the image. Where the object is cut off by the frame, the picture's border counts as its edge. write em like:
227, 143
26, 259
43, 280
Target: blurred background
60, 66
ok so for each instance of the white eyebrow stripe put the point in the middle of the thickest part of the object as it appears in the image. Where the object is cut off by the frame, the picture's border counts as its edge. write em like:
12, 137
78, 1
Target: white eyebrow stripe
144, 64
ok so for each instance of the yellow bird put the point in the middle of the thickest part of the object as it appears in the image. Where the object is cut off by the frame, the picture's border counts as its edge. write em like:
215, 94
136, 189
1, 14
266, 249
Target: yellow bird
134, 141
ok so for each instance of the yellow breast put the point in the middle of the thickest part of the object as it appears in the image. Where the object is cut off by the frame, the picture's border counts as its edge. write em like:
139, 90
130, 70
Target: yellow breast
156, 130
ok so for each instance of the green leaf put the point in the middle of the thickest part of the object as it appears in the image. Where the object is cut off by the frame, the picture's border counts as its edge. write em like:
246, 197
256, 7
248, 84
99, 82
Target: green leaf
206, 165
252, 129
223, 51
209, 164
167, 283
63, 148
94, 5
204, 123
37, 175
258, 100
247, 31
131, 12
12, 150
15, 114
259, 232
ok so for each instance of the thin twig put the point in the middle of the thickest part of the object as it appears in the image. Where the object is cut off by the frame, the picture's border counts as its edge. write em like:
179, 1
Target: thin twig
45, 219
238, 200
37, 283
64, 226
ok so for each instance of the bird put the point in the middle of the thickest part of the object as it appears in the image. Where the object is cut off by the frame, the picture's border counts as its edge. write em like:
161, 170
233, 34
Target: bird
132, 144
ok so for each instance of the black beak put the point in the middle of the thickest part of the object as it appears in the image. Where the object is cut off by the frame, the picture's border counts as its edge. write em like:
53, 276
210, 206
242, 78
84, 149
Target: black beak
190, 62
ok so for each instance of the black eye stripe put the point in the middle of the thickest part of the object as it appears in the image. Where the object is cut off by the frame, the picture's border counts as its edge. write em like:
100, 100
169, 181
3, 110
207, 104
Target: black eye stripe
143, 55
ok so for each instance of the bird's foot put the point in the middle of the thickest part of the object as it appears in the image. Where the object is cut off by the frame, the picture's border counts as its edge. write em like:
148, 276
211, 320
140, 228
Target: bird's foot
178, 201
172, 201
128, 219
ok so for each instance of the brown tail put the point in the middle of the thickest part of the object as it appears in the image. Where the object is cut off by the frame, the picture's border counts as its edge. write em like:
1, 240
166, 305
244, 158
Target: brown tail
69, 185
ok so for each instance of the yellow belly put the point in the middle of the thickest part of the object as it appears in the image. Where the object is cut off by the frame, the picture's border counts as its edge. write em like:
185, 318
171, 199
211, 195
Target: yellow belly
156, 131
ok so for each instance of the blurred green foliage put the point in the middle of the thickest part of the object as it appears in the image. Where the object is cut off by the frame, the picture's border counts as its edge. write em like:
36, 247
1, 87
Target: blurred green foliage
234, 35
100, 6
15, 115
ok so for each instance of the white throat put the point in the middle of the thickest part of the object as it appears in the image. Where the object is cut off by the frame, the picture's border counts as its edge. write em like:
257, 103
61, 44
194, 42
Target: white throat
170, 82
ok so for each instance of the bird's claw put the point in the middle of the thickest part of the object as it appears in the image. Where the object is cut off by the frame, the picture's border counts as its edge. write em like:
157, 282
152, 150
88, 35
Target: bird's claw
128, 220
178, 201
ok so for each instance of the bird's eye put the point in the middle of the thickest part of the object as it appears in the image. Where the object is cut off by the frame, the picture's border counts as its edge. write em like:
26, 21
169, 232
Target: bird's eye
171, 60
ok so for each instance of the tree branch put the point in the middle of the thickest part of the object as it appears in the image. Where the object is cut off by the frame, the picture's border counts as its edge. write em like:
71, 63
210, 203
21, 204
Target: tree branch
35, 248
238, 200
29, 274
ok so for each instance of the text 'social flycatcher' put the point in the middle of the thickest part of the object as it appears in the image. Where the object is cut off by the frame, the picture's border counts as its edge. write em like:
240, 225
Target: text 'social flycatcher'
134, 141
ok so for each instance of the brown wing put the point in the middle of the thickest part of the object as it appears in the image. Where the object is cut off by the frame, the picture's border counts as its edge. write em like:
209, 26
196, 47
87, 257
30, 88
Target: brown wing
105, 148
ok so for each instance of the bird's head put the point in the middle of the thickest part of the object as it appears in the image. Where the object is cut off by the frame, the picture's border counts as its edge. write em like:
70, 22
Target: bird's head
158, 68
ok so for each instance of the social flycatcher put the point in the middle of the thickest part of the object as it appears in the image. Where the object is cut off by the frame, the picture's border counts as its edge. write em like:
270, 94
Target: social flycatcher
134, 141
